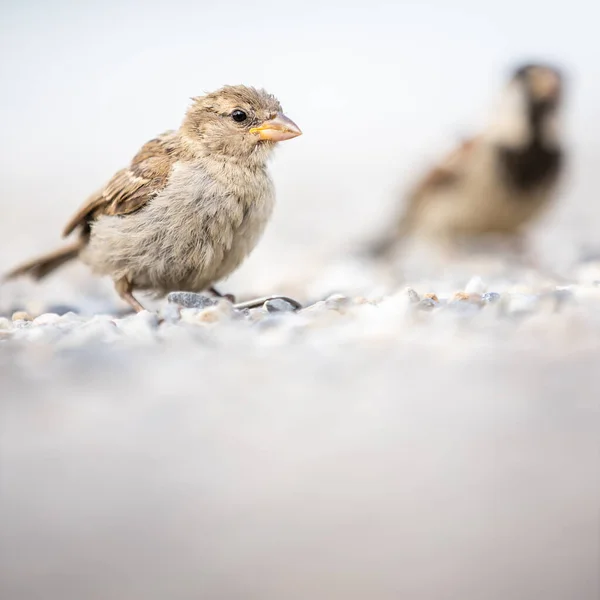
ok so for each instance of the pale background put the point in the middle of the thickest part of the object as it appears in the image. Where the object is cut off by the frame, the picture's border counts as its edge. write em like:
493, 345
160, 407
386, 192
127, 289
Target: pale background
378, 88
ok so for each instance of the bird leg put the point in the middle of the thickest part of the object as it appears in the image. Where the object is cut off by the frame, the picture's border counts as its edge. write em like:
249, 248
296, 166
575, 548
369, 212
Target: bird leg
218, 294
123, 287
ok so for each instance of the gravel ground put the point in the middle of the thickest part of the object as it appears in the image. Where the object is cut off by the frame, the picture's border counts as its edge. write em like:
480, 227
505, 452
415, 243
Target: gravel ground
432, 440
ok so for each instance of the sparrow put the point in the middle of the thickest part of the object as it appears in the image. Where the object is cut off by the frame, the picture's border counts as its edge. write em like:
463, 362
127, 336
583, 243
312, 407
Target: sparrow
496, 182
190, 207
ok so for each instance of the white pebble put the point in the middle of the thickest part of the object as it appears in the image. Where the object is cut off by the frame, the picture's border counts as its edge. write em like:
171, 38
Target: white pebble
476, 285
222, 311
5, 323
21, 316
413, 296
46, 319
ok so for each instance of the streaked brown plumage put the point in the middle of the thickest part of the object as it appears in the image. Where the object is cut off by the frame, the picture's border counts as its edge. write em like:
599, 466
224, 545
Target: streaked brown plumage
191, 205
496, 183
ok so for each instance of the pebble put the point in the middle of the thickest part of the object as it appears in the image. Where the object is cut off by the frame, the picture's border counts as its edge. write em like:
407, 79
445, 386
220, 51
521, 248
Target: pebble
278, 305
46, 319
337, 302
475, 286
490, 297
5, 323
221, 311
413, 296
465, 297
428, 303
192, 300
21, 316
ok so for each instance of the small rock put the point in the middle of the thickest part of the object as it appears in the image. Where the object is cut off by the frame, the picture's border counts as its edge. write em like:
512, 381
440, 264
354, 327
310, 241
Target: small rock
460, 297
337, 301
431, 296
21, 316
192, 300
490, 297
428, 303
475, 286
463, 297
212, 314
413, 296
46, 319
278, 305
4, 323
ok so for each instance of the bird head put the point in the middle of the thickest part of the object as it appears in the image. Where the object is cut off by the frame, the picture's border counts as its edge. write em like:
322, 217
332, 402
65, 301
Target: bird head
238, 123
541, 85
529, 107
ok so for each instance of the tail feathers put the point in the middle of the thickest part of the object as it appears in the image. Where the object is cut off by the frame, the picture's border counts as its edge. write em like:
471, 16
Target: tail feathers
43, 265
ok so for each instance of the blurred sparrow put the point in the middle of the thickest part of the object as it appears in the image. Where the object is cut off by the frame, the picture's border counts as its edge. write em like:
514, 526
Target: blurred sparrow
495, 183
190, 207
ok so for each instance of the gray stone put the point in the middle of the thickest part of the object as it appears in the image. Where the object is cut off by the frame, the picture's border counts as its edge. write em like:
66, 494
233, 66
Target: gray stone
428, 303
490, 297
413, 296
278, 305
192, 300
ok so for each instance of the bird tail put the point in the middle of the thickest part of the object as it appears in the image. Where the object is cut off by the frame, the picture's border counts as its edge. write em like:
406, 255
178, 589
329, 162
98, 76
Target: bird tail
43, 265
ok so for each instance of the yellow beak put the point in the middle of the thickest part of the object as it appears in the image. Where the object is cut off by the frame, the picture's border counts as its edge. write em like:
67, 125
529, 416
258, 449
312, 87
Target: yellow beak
277, 129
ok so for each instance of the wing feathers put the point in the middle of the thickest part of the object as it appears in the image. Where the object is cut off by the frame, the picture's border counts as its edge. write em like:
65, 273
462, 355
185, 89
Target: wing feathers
130, 189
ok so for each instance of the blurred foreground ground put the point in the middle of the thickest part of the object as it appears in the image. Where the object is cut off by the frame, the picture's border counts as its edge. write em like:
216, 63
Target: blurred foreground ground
391, 447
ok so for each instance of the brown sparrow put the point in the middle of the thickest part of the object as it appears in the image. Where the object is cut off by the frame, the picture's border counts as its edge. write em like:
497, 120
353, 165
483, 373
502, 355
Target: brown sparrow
190, 207
495, 183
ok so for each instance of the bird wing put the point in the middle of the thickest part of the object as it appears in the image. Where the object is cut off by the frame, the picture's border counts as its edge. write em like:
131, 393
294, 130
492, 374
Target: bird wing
447, 172
131, 188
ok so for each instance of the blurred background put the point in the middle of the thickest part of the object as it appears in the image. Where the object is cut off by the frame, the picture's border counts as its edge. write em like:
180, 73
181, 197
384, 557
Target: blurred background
382, 458
379, 90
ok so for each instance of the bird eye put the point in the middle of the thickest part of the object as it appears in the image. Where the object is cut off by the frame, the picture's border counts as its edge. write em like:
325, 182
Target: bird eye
238, 116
